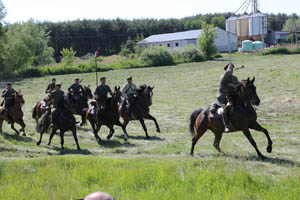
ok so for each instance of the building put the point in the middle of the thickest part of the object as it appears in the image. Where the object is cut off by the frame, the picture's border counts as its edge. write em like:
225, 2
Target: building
278, 37
181, 39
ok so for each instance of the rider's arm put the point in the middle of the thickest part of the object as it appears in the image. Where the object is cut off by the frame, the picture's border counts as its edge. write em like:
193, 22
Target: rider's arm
125, 87
48, 89
5, 93
109, 91
70, 88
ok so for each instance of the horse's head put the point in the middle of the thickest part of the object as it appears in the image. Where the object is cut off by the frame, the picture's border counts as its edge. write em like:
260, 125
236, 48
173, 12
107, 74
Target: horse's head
248, 91
150, 94
88, 92
19, 98
117, 94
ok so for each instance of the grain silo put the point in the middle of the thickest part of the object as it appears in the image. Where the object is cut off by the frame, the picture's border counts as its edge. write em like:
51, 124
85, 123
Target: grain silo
231, 24
243, 26
258, 26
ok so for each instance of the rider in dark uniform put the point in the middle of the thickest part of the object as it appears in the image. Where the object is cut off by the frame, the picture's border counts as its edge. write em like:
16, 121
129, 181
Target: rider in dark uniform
58, 97
101, 94
224, 96
8, 95
76, 90
51, 86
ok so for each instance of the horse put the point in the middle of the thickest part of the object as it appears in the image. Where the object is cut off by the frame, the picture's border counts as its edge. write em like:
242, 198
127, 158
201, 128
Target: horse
109, 117
16, 113
38, 110
65, 121
82, 103
140, 108
242, 118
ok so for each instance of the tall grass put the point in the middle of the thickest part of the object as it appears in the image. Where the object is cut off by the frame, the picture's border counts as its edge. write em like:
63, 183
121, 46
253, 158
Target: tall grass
76, 176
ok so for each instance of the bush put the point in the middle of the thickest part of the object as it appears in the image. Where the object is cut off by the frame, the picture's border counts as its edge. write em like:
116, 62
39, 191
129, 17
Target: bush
277, 50
295, 51
68, 55
157, 56
207, 40
188, 54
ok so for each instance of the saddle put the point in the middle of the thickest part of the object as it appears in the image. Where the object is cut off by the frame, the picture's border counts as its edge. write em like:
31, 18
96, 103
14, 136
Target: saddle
2, 109
216, 110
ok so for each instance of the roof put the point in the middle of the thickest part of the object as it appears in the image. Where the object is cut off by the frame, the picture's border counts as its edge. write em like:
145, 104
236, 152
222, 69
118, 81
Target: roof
194, 34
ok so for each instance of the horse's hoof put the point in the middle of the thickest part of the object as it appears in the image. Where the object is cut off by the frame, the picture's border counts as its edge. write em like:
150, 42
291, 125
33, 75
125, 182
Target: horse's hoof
262, 157
78, 149
109, 136
269, 149
192, 154
158, 130
38, 143
24, 134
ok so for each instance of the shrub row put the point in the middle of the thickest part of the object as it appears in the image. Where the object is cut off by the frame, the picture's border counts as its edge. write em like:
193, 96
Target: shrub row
280, 50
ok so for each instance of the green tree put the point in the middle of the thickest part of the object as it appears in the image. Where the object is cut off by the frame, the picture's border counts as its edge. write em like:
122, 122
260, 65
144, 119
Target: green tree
68, 55
290, 25
206, 41
128, 47
2, 36
26, 45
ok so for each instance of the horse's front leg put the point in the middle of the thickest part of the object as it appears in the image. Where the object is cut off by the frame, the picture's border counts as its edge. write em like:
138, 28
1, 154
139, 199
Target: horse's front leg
155, 121
13, 127
251, 140
1, 123
256, 126
23, 125
123, 128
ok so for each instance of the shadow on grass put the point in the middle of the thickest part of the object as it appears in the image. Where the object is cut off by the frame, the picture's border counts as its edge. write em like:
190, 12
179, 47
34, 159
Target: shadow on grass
276, 161
72, 151
139, 137
114, 144
16, 137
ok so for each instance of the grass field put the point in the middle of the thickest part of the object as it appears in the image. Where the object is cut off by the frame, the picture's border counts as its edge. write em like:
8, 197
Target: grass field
153, 169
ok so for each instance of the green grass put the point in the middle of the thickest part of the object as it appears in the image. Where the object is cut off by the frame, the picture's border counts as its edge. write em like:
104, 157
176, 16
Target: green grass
179, 90
138, 179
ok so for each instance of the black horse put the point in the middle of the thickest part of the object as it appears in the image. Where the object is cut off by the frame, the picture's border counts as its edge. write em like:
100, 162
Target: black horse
109, 117
140, 108
77, 106
64, 121
242, 118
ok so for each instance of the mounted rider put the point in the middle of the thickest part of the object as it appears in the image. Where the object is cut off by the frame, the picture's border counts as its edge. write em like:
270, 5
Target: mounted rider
8, 95
128, 92
76, 90
101, 94
224, 97
58, 96
51, 86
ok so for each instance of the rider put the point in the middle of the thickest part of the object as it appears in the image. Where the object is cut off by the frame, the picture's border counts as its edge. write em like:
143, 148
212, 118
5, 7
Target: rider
8, 95
224, 97
76, 89
128, 90
101, 94
51, 86
58, 97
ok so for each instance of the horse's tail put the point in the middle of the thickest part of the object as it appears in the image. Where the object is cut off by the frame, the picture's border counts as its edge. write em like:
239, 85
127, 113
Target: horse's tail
44, 123
34, 111
193, 118
83, 116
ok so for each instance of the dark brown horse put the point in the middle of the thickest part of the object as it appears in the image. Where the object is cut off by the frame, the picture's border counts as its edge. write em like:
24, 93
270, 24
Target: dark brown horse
109, 117
65, 121
140, 108
242, 118
16, 113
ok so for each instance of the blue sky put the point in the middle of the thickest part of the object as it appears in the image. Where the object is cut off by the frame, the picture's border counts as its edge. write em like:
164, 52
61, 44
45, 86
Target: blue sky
62, 10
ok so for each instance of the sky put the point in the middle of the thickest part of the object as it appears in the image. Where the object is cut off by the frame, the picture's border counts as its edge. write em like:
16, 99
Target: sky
64, 10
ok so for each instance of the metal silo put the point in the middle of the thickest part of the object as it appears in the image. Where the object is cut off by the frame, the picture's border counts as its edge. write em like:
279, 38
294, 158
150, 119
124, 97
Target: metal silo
258, 24
243, 26
231, 24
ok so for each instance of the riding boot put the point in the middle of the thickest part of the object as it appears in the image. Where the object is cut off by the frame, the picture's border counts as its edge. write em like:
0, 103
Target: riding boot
9, 118
226, 119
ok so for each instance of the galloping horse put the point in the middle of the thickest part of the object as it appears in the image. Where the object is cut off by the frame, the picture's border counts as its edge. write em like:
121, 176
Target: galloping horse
38, 110
65, 121
243, 116
16, 113
140, 108
110, 116
82, 103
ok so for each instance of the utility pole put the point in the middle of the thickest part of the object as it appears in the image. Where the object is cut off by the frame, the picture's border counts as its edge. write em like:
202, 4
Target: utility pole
296, 36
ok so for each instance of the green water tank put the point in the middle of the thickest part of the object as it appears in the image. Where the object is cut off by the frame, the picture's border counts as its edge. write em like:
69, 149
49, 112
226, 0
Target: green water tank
258, 45
247, 45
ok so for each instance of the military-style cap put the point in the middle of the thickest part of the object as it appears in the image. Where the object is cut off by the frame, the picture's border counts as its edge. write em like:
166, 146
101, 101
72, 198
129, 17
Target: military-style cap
76, 79
8, 83
58, 84
129, 77
226, 67
54, 79
102, 78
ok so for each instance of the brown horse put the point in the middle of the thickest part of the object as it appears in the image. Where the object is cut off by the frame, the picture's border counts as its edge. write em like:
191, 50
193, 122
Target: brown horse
65, 121
140, 108
38, 110
109, 118
16, 113
242, 117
